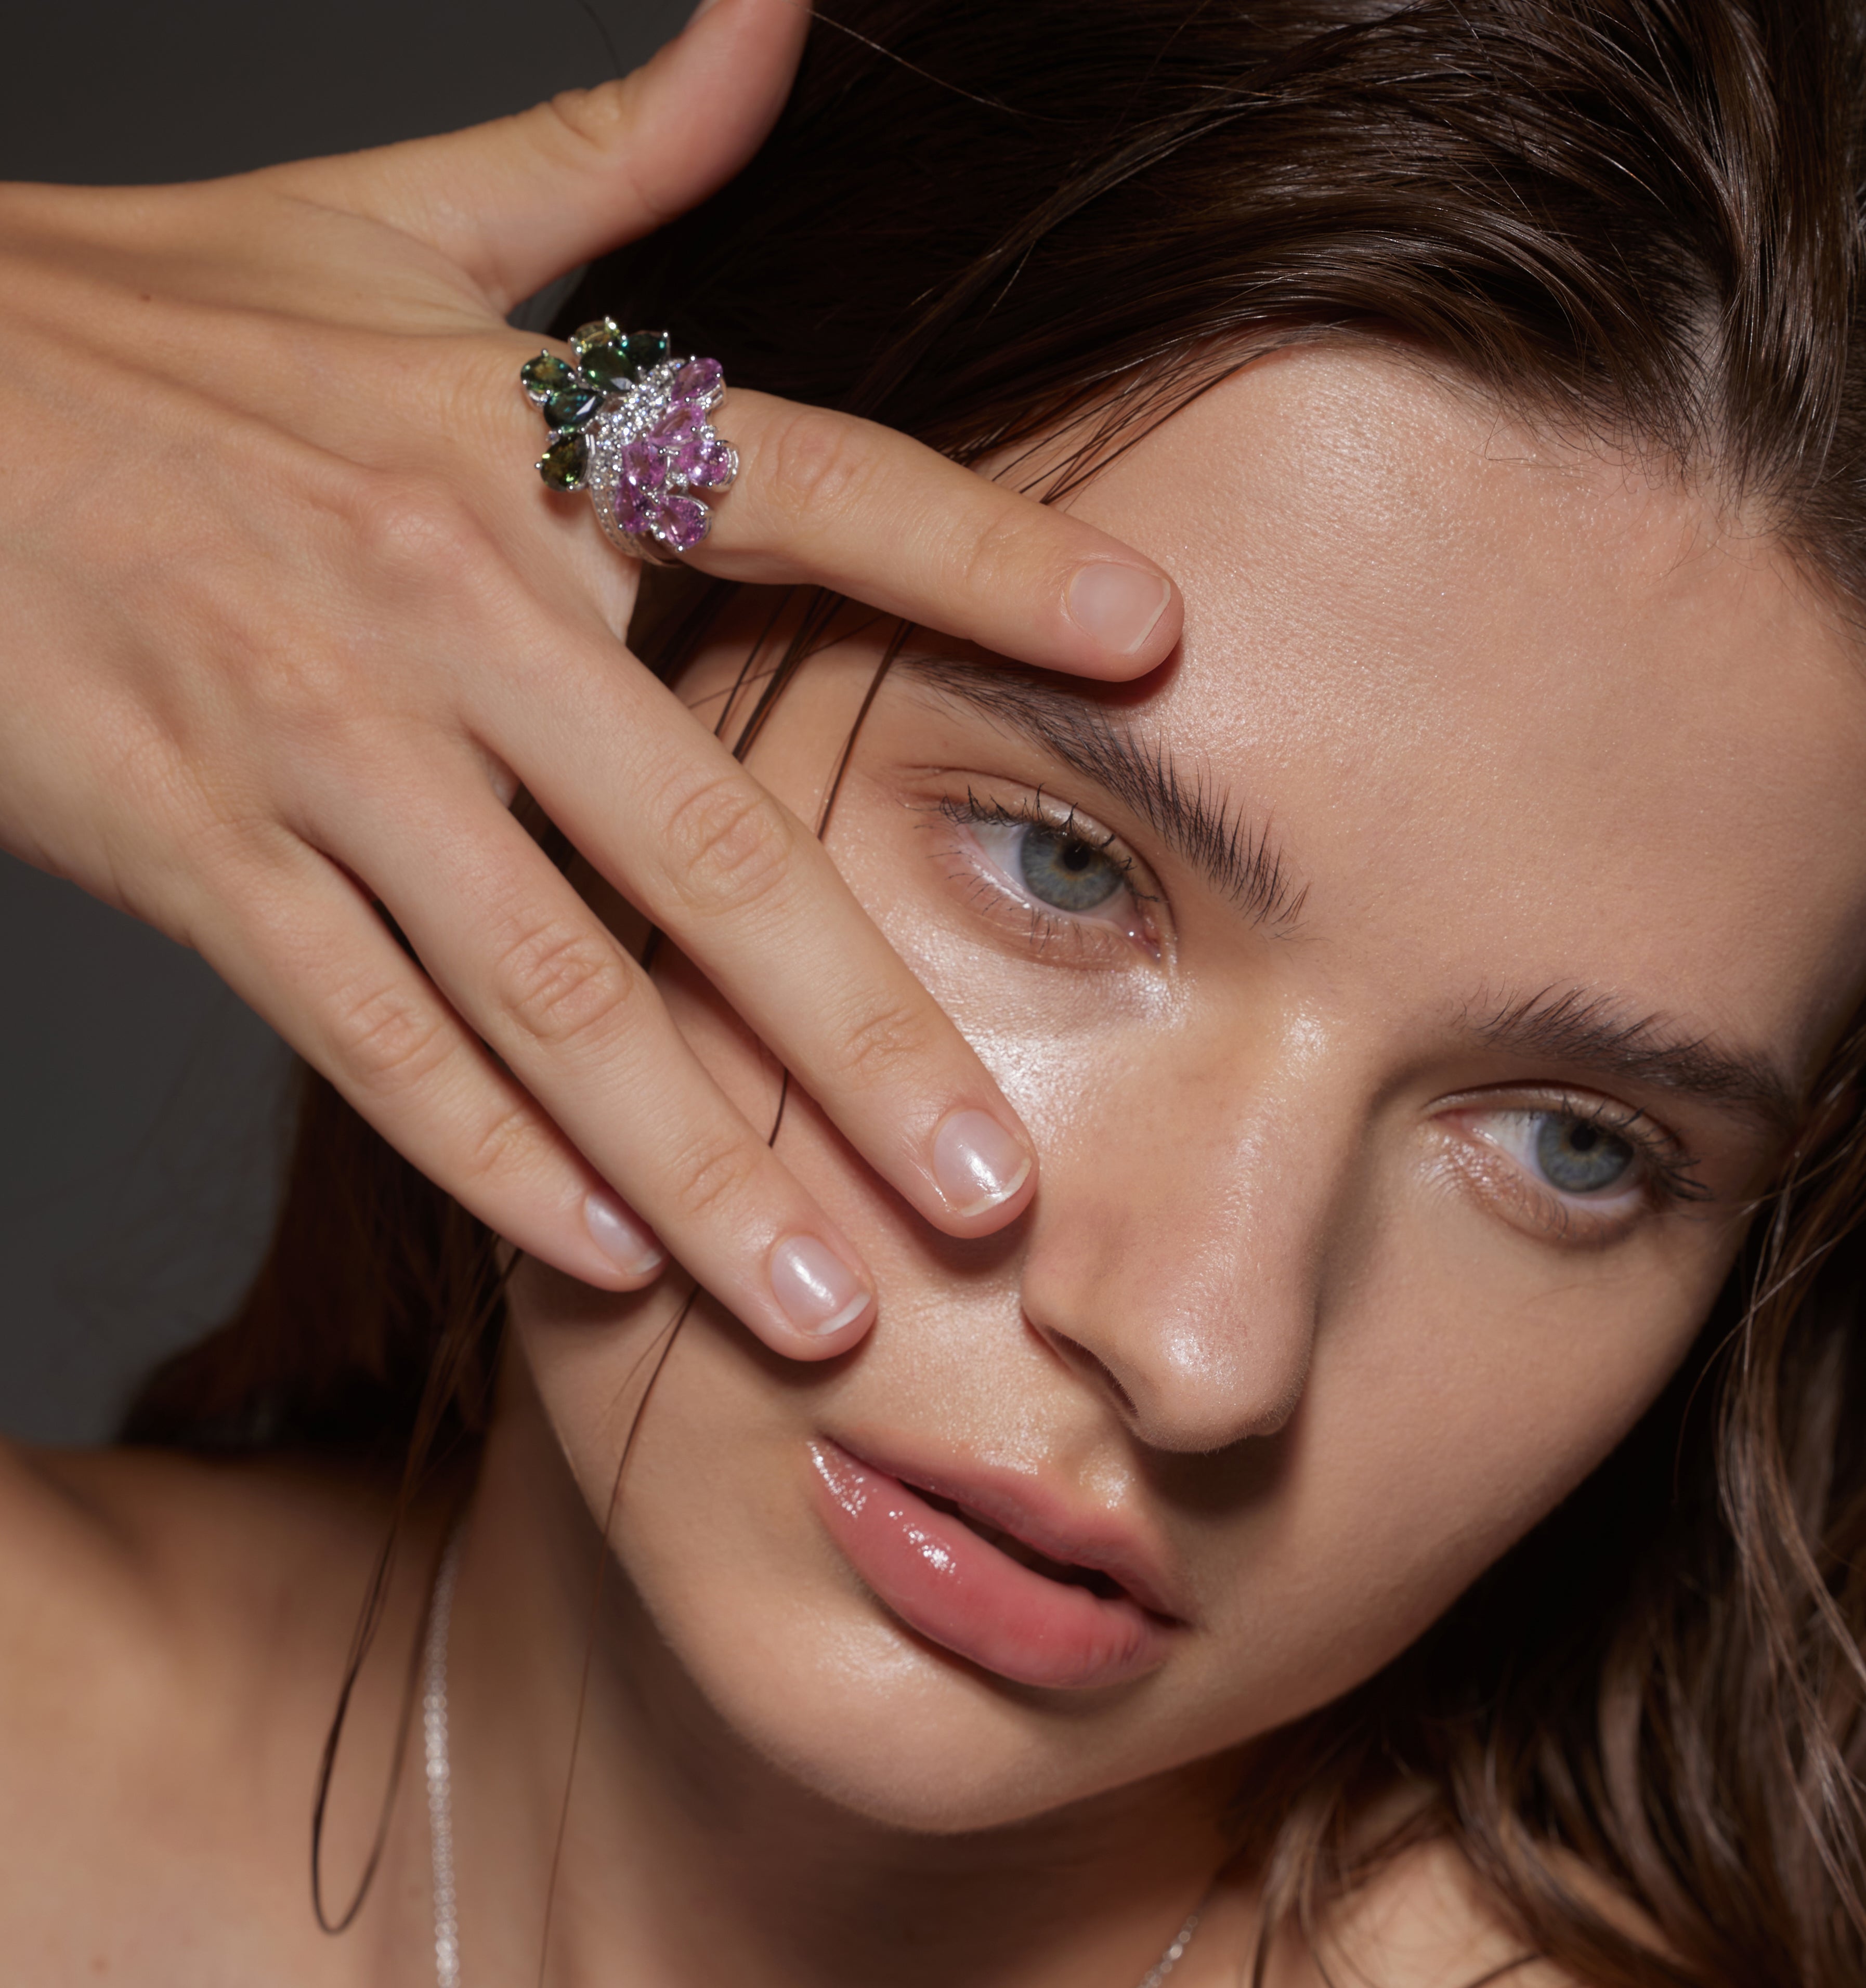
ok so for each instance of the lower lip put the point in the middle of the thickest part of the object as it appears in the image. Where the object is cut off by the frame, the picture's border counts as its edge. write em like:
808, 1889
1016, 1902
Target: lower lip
959, 1591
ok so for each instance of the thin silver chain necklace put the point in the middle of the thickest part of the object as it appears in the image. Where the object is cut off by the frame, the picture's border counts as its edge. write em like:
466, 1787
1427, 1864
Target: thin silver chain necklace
441, 1790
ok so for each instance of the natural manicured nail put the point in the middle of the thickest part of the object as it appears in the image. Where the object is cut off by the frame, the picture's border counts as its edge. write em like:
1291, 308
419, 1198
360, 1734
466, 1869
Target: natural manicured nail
977, 1163
815, 1289
1118, 605
623, 1240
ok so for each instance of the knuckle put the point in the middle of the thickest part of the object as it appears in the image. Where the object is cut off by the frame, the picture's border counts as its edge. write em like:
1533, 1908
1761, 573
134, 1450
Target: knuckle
996, 557
710, 1178
556, 985
728, 845
390, 1040
414, 529
598, 120
593, 130
813, 464
416, 564
502, 1146
885, 1042
305, 691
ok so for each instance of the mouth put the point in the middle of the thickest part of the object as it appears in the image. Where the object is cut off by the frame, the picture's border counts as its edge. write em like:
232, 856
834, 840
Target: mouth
1071, 1574
959, 1578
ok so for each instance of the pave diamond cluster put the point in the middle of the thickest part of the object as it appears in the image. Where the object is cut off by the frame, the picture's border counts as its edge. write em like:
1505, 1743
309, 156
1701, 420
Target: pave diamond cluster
629, 424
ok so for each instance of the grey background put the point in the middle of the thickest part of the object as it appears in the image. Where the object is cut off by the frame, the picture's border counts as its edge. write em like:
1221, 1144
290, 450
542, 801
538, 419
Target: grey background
140, 1103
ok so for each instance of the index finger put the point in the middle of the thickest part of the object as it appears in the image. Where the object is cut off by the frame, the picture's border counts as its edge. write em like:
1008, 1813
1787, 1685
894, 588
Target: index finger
832, 501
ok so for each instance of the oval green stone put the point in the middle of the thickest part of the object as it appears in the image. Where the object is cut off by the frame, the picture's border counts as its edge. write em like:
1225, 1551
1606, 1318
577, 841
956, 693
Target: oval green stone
599, 331
564, 464
646, 349
547, 374
608, 366
572, 406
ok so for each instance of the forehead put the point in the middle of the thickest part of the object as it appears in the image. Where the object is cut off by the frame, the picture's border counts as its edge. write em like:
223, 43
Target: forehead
1505, 698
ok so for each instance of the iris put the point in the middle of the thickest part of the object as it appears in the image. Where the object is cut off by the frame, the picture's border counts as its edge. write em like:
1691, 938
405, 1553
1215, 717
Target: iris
1063, 871
1579, 1157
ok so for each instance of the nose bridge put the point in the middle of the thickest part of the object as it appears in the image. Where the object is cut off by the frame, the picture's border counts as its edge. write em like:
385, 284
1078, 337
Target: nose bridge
1179, 1247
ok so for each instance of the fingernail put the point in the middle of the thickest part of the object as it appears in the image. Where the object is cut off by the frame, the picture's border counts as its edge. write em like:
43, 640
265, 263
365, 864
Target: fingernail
815, 1289
1118, 604
627, 1245
977, 1162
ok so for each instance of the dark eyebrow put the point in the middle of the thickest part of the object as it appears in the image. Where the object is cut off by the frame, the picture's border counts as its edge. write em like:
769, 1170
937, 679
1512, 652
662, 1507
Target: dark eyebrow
1098, 742
1557, 1025
1571, 1025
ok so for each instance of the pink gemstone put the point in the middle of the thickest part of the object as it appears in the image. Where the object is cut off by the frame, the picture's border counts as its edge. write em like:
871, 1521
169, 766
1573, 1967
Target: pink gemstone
700, 380
636, 510
644, 466
679, 422
707, 463
683, 523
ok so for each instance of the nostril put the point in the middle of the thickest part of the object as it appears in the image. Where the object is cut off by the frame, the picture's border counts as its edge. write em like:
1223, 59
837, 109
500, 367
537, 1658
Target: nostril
1095, 1366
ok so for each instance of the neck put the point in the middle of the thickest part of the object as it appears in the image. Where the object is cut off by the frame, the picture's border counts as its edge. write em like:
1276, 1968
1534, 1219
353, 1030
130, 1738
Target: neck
704, 1862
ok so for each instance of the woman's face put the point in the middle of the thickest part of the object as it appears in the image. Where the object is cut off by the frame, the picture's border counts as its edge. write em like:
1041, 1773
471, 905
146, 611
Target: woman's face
1405, 987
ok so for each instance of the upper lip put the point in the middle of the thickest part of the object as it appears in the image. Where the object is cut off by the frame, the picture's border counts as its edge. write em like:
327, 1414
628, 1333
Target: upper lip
1036, 1513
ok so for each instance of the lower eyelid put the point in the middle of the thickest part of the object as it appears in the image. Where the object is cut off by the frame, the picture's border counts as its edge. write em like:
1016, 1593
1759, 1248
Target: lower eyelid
1047, 921
1524, 1202
1609, 1204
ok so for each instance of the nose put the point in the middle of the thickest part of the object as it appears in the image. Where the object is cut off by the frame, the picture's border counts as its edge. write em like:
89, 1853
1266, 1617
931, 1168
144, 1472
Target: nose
1187, 1227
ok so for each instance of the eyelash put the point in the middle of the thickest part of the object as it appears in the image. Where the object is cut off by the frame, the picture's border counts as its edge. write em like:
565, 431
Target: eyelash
1664, 1179
1046, 927
1664, 1169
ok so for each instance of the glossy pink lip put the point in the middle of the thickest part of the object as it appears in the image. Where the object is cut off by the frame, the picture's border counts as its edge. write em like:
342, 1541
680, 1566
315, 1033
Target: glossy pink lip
958, 1589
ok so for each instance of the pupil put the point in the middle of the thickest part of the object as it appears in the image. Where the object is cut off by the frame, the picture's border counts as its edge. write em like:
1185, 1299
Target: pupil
1077, 856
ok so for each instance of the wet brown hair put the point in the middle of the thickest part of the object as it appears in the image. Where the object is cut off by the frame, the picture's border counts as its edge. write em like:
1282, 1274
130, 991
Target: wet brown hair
1639, 219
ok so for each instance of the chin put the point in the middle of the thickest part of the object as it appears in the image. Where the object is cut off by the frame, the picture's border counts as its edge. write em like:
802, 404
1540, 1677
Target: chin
849, 1705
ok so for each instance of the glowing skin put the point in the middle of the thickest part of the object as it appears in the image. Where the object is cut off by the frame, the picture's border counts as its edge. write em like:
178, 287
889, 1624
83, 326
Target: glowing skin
1358, 1241
1521, 728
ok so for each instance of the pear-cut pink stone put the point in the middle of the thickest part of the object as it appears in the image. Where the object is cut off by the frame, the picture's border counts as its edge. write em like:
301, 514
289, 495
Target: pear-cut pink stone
677, 424
706, 462
636, 511
644, 466
699, 380
683, 523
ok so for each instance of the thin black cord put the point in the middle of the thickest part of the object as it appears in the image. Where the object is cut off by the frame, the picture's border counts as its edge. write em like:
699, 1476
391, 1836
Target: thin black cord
604, 1553
374, 1605
360, 1641
602, 29
436, 1392
659, 1351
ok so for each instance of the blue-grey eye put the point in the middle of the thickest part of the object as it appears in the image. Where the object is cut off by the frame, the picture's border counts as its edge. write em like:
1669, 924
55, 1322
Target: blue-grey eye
1061, 870
1579, 1157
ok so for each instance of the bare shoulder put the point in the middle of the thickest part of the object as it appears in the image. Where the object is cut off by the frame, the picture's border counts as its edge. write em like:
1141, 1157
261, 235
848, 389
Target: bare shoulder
172, 1633
117, 1560
1425, 1921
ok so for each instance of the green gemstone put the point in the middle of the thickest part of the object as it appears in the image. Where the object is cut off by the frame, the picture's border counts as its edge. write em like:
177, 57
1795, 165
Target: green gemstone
572, 406
547, 374
564, 464
646, 349
599, 331
608, 365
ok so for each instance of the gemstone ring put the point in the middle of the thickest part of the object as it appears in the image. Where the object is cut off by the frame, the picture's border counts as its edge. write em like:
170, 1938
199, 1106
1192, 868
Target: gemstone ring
629, 424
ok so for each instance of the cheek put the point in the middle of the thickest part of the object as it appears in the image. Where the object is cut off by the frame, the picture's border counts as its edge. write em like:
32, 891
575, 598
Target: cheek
1442, 1419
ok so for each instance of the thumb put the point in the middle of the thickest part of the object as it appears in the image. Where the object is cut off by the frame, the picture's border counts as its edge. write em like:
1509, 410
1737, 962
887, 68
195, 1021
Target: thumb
518, 201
